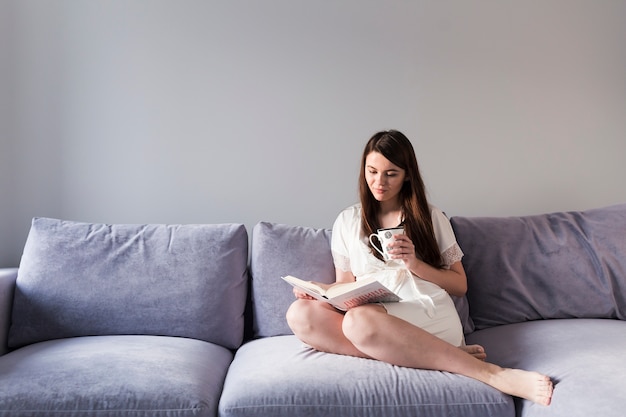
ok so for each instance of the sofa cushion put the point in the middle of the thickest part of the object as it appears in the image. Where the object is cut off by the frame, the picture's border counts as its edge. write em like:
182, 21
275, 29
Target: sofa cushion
78, 279
278, 250
549, 266
139, 376
293, 380
584, 357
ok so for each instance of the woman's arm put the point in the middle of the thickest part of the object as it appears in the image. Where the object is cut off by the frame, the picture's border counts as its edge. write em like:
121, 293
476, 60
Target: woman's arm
343, 276
453, 280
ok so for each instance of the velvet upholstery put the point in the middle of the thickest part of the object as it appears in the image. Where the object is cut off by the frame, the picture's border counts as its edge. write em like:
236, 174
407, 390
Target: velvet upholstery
124, 376
546, 292
279, 376
277, 250
584, 357
82, 279
549, 266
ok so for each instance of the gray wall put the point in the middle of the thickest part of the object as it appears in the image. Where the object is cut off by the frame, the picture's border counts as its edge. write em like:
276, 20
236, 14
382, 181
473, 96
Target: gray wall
8, 248
241, 111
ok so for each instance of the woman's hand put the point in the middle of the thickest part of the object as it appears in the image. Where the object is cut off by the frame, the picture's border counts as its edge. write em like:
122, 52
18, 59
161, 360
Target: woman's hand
341, 277
402, 248
301, 294
453, 279
304, 296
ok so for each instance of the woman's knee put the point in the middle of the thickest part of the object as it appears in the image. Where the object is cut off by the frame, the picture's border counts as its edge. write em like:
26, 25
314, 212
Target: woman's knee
296, 314
359, 324
301, 315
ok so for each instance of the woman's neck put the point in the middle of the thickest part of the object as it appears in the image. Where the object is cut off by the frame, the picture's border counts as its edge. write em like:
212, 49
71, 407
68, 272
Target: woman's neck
390, 215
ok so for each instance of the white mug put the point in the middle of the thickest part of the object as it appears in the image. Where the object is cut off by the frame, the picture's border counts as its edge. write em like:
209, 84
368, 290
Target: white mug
385, 237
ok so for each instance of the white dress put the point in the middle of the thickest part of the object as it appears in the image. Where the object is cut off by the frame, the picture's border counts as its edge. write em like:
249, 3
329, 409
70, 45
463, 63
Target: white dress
423, 304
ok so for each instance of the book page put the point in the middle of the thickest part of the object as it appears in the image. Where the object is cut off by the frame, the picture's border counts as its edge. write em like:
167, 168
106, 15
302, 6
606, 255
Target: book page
344, 296
305, 286
345, 287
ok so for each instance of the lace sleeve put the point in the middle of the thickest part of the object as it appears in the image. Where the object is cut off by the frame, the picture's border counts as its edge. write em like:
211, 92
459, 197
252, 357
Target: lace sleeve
341, 262
451, 255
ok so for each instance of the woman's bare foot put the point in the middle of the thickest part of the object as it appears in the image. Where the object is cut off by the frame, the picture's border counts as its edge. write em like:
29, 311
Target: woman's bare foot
476, 351
532, 386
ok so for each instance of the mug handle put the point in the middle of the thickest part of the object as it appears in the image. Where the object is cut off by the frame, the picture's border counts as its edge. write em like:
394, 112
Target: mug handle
374, 235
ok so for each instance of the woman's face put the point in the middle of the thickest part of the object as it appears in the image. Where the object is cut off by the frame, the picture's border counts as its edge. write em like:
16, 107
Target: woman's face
384, 179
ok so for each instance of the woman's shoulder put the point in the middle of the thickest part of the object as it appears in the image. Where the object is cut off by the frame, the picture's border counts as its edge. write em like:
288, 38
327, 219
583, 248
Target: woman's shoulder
349, 215
442, 228
355, 208
436, 212
441, 222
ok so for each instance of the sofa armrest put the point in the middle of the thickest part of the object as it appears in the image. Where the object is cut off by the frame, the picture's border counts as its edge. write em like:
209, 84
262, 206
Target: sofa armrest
7, 288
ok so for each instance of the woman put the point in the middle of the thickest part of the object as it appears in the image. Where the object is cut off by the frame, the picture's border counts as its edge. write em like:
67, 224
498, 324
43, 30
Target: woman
423, 330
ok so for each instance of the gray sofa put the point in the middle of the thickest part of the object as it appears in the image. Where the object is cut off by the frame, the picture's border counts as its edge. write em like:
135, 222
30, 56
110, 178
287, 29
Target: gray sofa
156, 320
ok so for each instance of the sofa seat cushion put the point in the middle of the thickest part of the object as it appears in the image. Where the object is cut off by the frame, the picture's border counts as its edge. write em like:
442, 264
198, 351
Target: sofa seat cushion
279, 376
114, 375
585, 357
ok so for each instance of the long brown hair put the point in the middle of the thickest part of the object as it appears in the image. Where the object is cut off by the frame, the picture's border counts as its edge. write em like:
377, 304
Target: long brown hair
418, 225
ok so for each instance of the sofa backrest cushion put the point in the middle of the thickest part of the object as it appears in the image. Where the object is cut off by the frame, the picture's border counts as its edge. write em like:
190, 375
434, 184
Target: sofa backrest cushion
80, 279
549, 266
278, 250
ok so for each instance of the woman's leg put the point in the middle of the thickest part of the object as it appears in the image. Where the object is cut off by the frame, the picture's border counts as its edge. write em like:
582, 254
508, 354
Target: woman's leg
387, 338
320, 326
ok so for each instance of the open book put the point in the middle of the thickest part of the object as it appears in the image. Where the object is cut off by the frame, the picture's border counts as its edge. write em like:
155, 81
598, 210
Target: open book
345, 296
